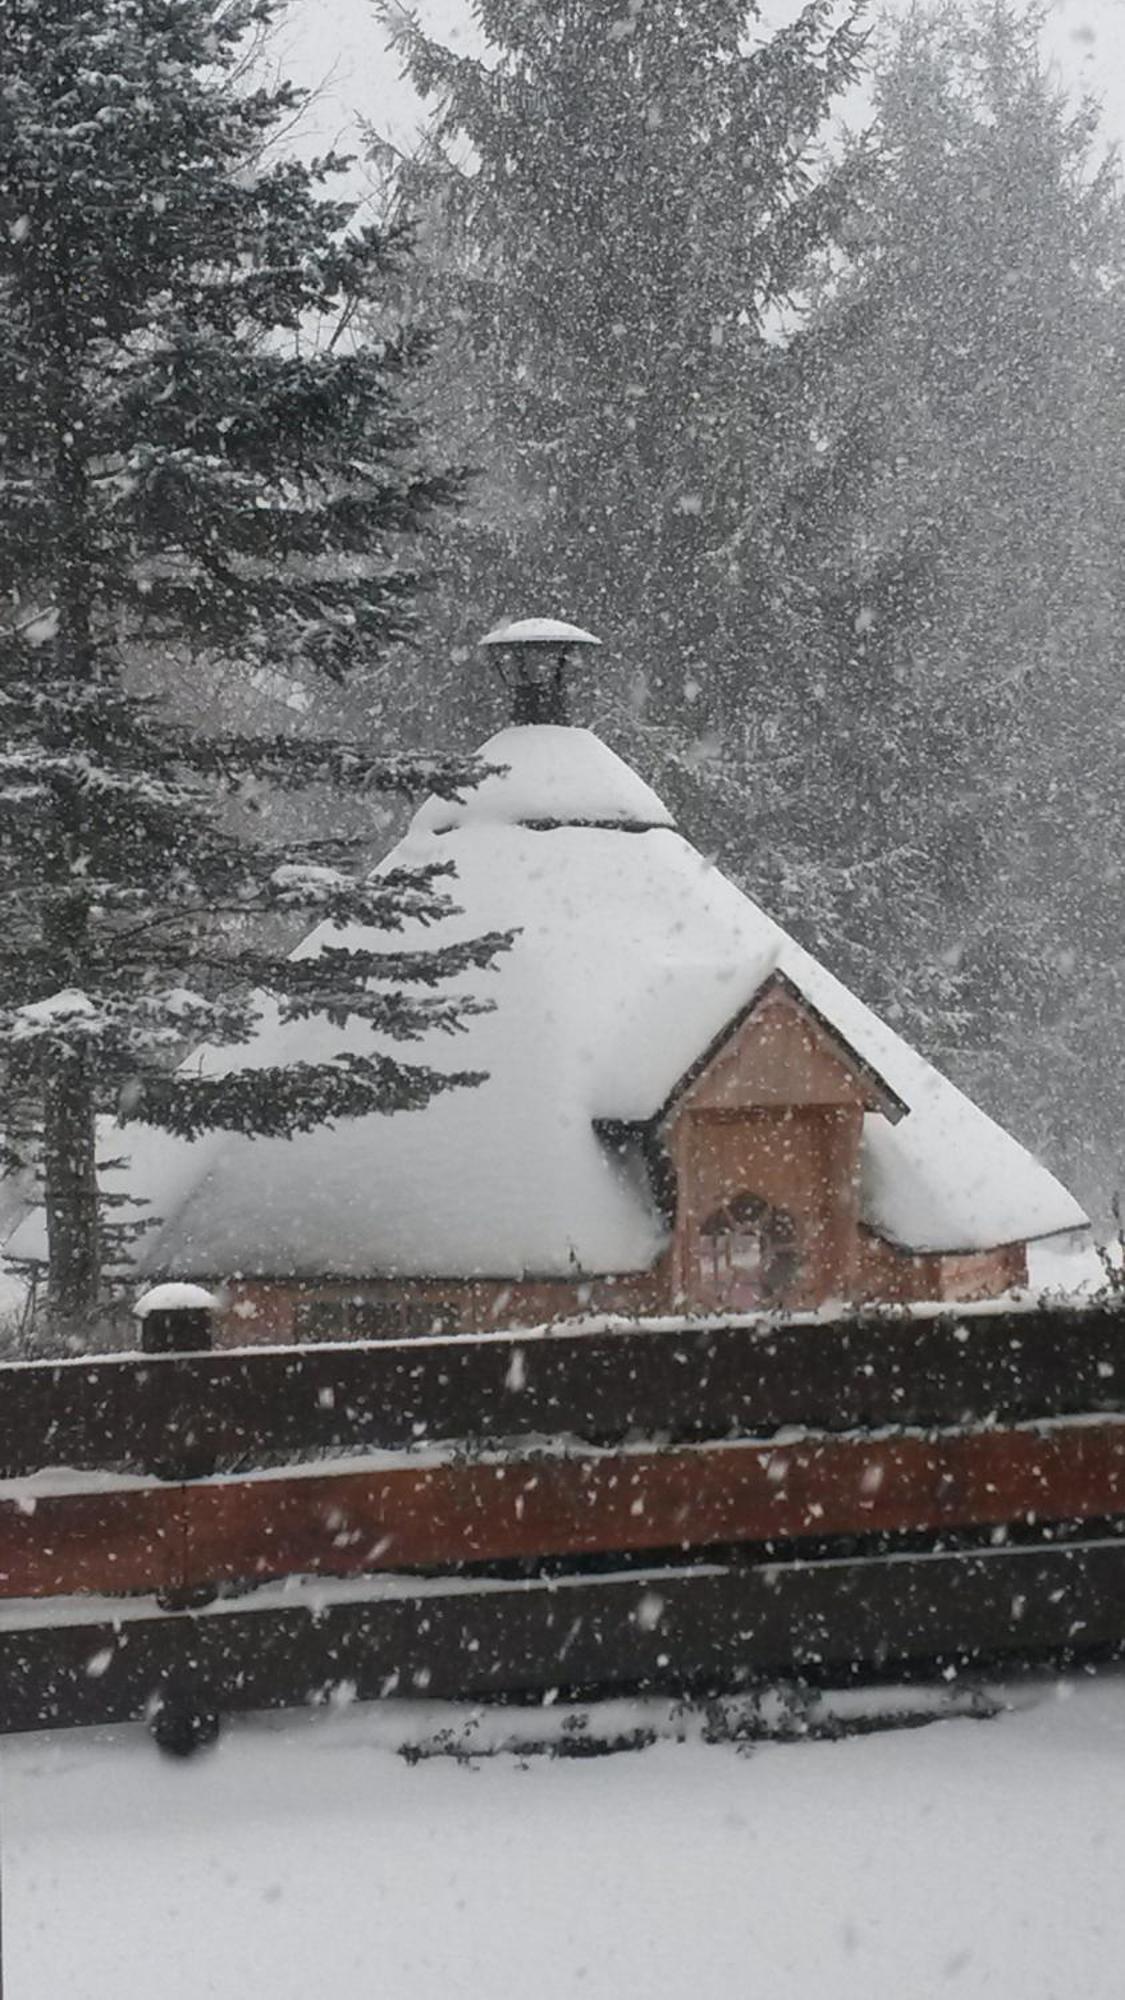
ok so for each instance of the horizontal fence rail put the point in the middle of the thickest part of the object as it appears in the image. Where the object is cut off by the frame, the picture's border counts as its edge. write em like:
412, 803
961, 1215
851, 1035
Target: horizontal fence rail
346, 1524
696, 1631
190, 1412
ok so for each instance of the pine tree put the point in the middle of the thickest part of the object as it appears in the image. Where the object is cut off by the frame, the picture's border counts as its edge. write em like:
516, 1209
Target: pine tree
185, 464
617, 206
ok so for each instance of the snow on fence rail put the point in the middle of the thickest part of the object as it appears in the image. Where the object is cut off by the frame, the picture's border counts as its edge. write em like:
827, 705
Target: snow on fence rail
675, 1506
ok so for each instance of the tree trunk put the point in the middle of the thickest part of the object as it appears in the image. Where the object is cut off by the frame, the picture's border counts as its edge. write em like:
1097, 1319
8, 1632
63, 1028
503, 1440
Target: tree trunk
69, 1098
71, 1197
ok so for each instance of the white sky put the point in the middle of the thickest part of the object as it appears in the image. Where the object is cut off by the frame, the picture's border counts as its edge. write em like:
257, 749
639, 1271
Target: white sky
338, 48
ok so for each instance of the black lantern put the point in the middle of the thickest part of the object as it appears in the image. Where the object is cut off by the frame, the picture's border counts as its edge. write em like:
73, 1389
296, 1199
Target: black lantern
531, 656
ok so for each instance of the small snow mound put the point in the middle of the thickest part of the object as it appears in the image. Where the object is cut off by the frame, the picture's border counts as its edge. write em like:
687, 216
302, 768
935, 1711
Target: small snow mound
176, 1298
67, 1012
538, 632
62, 1006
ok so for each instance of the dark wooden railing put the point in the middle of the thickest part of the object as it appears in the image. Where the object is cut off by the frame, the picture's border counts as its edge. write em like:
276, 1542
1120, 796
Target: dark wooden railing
681, 1382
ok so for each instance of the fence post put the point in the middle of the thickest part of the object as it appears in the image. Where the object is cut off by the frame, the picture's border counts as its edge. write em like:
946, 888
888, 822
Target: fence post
179, 1319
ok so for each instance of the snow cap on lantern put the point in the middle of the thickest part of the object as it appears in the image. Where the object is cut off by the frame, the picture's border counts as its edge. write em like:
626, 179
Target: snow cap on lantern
531, 655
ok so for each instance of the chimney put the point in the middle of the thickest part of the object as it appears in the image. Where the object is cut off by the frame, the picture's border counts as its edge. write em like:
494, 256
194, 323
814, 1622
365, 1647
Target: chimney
531, 656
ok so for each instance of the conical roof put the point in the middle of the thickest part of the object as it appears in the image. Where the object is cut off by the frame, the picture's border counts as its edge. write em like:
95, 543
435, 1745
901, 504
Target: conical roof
633, 955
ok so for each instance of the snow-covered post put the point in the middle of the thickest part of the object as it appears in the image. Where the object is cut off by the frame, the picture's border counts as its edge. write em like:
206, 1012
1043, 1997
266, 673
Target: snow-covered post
177, 1319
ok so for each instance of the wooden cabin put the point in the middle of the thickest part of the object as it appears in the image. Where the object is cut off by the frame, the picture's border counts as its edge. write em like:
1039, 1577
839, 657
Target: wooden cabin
683, 1111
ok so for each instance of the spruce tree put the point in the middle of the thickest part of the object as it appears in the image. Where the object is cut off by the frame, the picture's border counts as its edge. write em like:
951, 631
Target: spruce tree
617, 207
195, 453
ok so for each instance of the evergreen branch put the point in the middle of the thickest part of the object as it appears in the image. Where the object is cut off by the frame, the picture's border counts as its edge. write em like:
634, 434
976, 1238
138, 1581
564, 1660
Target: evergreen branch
352, 970
289, 761
113, 978
401, 1017
299, 1097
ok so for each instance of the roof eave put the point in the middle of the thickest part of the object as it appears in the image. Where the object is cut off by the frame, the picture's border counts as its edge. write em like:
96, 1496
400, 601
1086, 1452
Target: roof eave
972, 1249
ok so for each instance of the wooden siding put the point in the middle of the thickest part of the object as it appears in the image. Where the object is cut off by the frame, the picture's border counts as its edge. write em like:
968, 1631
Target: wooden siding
779, 1056
887, 1275
803, 1161
263, 1311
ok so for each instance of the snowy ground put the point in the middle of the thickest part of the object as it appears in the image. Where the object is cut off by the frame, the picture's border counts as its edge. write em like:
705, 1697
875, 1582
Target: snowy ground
303, 1857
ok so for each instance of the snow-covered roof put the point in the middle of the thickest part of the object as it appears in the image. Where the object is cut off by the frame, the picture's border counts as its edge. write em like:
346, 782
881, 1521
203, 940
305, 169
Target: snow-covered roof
633, 955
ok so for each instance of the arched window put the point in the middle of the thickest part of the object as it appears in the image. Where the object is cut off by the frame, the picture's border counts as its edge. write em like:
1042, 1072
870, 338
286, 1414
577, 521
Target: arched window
748, 1254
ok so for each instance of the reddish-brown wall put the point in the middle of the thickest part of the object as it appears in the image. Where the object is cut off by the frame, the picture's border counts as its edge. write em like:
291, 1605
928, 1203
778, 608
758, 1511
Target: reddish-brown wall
802, 1161
779, 1056
268, 1310
891, 1276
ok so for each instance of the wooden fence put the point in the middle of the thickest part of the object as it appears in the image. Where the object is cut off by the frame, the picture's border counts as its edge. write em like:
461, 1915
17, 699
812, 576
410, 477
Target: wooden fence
674, 1506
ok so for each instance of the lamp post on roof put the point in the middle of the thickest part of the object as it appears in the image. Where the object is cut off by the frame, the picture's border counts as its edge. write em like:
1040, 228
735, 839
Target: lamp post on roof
531, 656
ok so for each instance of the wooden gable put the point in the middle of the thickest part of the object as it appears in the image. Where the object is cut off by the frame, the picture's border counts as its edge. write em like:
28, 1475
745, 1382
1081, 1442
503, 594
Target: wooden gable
781, 1052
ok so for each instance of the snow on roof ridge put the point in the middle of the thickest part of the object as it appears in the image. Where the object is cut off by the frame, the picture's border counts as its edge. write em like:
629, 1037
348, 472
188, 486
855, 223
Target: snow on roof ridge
553, 774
